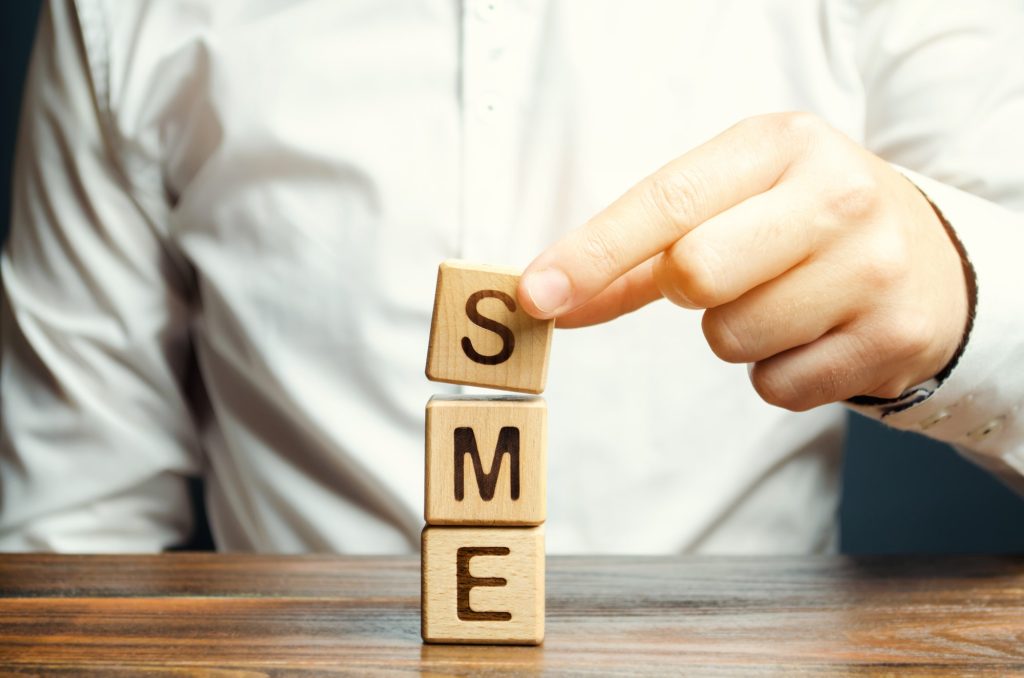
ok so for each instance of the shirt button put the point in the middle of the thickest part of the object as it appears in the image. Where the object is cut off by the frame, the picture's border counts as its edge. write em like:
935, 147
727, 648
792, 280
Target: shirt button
488, 107
487, 10
984, 431
938, 417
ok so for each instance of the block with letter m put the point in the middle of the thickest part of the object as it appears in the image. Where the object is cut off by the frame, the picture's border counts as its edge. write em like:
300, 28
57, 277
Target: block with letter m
486, 460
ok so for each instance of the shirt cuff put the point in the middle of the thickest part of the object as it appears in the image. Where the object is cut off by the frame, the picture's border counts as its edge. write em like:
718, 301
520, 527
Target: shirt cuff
978, 405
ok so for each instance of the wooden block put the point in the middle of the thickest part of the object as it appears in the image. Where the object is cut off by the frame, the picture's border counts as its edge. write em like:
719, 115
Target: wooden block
486, 460
483, 585
479, 334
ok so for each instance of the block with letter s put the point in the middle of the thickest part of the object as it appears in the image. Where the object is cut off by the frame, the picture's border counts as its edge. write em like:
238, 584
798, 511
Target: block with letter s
479, 334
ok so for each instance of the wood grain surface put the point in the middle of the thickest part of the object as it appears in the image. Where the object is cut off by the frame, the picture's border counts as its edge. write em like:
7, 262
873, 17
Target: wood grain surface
479, 334
504, 581
243, 615
485, 478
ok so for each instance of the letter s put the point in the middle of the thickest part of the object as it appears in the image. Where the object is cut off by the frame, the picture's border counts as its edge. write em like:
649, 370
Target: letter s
508, 340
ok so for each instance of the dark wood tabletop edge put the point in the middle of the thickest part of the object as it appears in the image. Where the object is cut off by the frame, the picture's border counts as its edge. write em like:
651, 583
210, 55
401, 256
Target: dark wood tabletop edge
233, 557
616, 615
183, 574
836, 669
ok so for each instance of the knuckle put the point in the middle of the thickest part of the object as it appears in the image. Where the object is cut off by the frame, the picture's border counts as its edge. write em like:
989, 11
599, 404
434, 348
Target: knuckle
909, 336
694, 278
724, 338
599, 251
855, 197
759, 125
798, 125
678, 197
774, 386
899, 345
919, 334
884, 263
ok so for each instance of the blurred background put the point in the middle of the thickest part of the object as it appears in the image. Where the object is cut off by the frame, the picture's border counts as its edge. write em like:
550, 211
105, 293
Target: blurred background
901, 492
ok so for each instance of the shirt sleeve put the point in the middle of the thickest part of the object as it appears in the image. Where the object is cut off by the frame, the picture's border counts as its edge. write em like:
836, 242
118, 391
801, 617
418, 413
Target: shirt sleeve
96, 439
945, 92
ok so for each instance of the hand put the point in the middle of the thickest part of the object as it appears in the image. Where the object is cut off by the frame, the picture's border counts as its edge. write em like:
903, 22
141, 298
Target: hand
816, 261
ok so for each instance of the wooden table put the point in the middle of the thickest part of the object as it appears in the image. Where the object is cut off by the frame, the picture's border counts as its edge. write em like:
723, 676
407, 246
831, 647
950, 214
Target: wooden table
241, 615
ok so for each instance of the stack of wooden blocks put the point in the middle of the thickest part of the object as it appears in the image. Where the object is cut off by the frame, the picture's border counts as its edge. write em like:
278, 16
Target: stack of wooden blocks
486, 464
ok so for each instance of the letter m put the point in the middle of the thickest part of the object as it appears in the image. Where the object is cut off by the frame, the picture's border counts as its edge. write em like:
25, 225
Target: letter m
465, 443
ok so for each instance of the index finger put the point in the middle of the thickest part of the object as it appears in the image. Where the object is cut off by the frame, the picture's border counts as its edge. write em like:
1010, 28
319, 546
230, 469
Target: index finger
745, 160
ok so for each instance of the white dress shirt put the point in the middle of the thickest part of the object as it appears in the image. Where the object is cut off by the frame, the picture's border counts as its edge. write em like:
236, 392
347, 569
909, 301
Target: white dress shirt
229, 215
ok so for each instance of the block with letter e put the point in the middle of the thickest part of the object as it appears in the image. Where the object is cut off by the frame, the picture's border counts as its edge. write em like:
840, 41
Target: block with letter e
483, 585
486, 460
479, 334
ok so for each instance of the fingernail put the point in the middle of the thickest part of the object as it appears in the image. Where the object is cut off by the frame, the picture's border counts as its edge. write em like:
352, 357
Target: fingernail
548, 289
